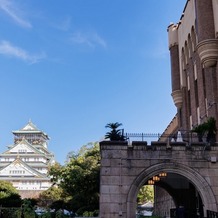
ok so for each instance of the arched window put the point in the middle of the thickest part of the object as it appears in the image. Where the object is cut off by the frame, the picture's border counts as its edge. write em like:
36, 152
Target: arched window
186, 52
190, 45
193, 38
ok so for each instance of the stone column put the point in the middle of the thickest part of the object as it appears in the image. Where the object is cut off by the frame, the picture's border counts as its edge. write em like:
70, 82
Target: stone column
175, 69
207, 44
204, 19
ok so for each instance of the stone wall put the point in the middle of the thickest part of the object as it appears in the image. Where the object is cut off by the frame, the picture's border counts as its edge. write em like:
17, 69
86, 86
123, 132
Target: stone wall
125, 168
163, 203
29, 193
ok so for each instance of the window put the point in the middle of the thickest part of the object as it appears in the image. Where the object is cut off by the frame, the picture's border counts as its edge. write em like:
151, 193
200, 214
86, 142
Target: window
17, 172
22, 150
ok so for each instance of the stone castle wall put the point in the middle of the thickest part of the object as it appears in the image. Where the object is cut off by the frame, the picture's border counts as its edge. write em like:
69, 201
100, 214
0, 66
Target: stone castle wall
29, 193
124, 169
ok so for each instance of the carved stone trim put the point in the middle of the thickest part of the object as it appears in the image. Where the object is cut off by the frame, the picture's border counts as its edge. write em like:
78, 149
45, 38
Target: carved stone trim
177, 98
208, 52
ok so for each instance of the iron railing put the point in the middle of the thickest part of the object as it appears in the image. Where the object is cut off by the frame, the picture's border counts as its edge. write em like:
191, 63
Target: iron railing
180, 136
142, 136
212, 214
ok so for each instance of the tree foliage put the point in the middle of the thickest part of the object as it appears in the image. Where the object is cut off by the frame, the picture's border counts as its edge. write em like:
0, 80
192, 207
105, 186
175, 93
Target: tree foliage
28, 208
146, 194
79, 179
9, 196
50, 196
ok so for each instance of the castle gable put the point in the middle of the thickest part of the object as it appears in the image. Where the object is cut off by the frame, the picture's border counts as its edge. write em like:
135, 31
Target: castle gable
19, 168
32, 134
29, 127
22, 147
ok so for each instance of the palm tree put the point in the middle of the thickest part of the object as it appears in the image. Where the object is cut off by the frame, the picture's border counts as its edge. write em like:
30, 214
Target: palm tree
115, 134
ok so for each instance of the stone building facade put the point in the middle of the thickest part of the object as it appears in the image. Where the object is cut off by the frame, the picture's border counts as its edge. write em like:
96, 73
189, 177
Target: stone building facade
193, 45
190, 182
191, 166
25, 163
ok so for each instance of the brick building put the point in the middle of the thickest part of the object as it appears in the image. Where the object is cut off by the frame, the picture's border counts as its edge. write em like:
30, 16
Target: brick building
193, 45
190, 187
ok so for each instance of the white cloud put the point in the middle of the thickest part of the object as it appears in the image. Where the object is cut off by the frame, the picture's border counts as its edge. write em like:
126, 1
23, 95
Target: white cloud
6, 48
90, 39
13, 12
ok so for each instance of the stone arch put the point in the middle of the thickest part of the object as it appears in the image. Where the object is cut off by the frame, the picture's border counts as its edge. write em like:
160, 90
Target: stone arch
197, 180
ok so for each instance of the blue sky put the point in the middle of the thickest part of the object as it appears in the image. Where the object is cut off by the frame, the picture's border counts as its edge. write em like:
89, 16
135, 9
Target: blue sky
73, 66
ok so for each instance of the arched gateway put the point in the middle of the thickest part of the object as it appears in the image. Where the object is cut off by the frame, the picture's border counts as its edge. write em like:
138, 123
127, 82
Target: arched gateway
191, 176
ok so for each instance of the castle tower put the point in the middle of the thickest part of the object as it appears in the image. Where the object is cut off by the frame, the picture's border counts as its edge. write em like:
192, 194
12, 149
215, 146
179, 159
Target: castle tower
32, 134
25, 163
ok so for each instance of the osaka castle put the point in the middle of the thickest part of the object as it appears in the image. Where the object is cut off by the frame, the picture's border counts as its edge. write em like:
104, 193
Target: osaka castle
25, 163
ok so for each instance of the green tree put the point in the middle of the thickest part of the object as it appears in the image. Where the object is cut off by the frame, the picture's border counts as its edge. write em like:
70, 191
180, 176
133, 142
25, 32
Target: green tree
28, 208
9, 196
146, 193
79, 179
51, 195
54, 172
